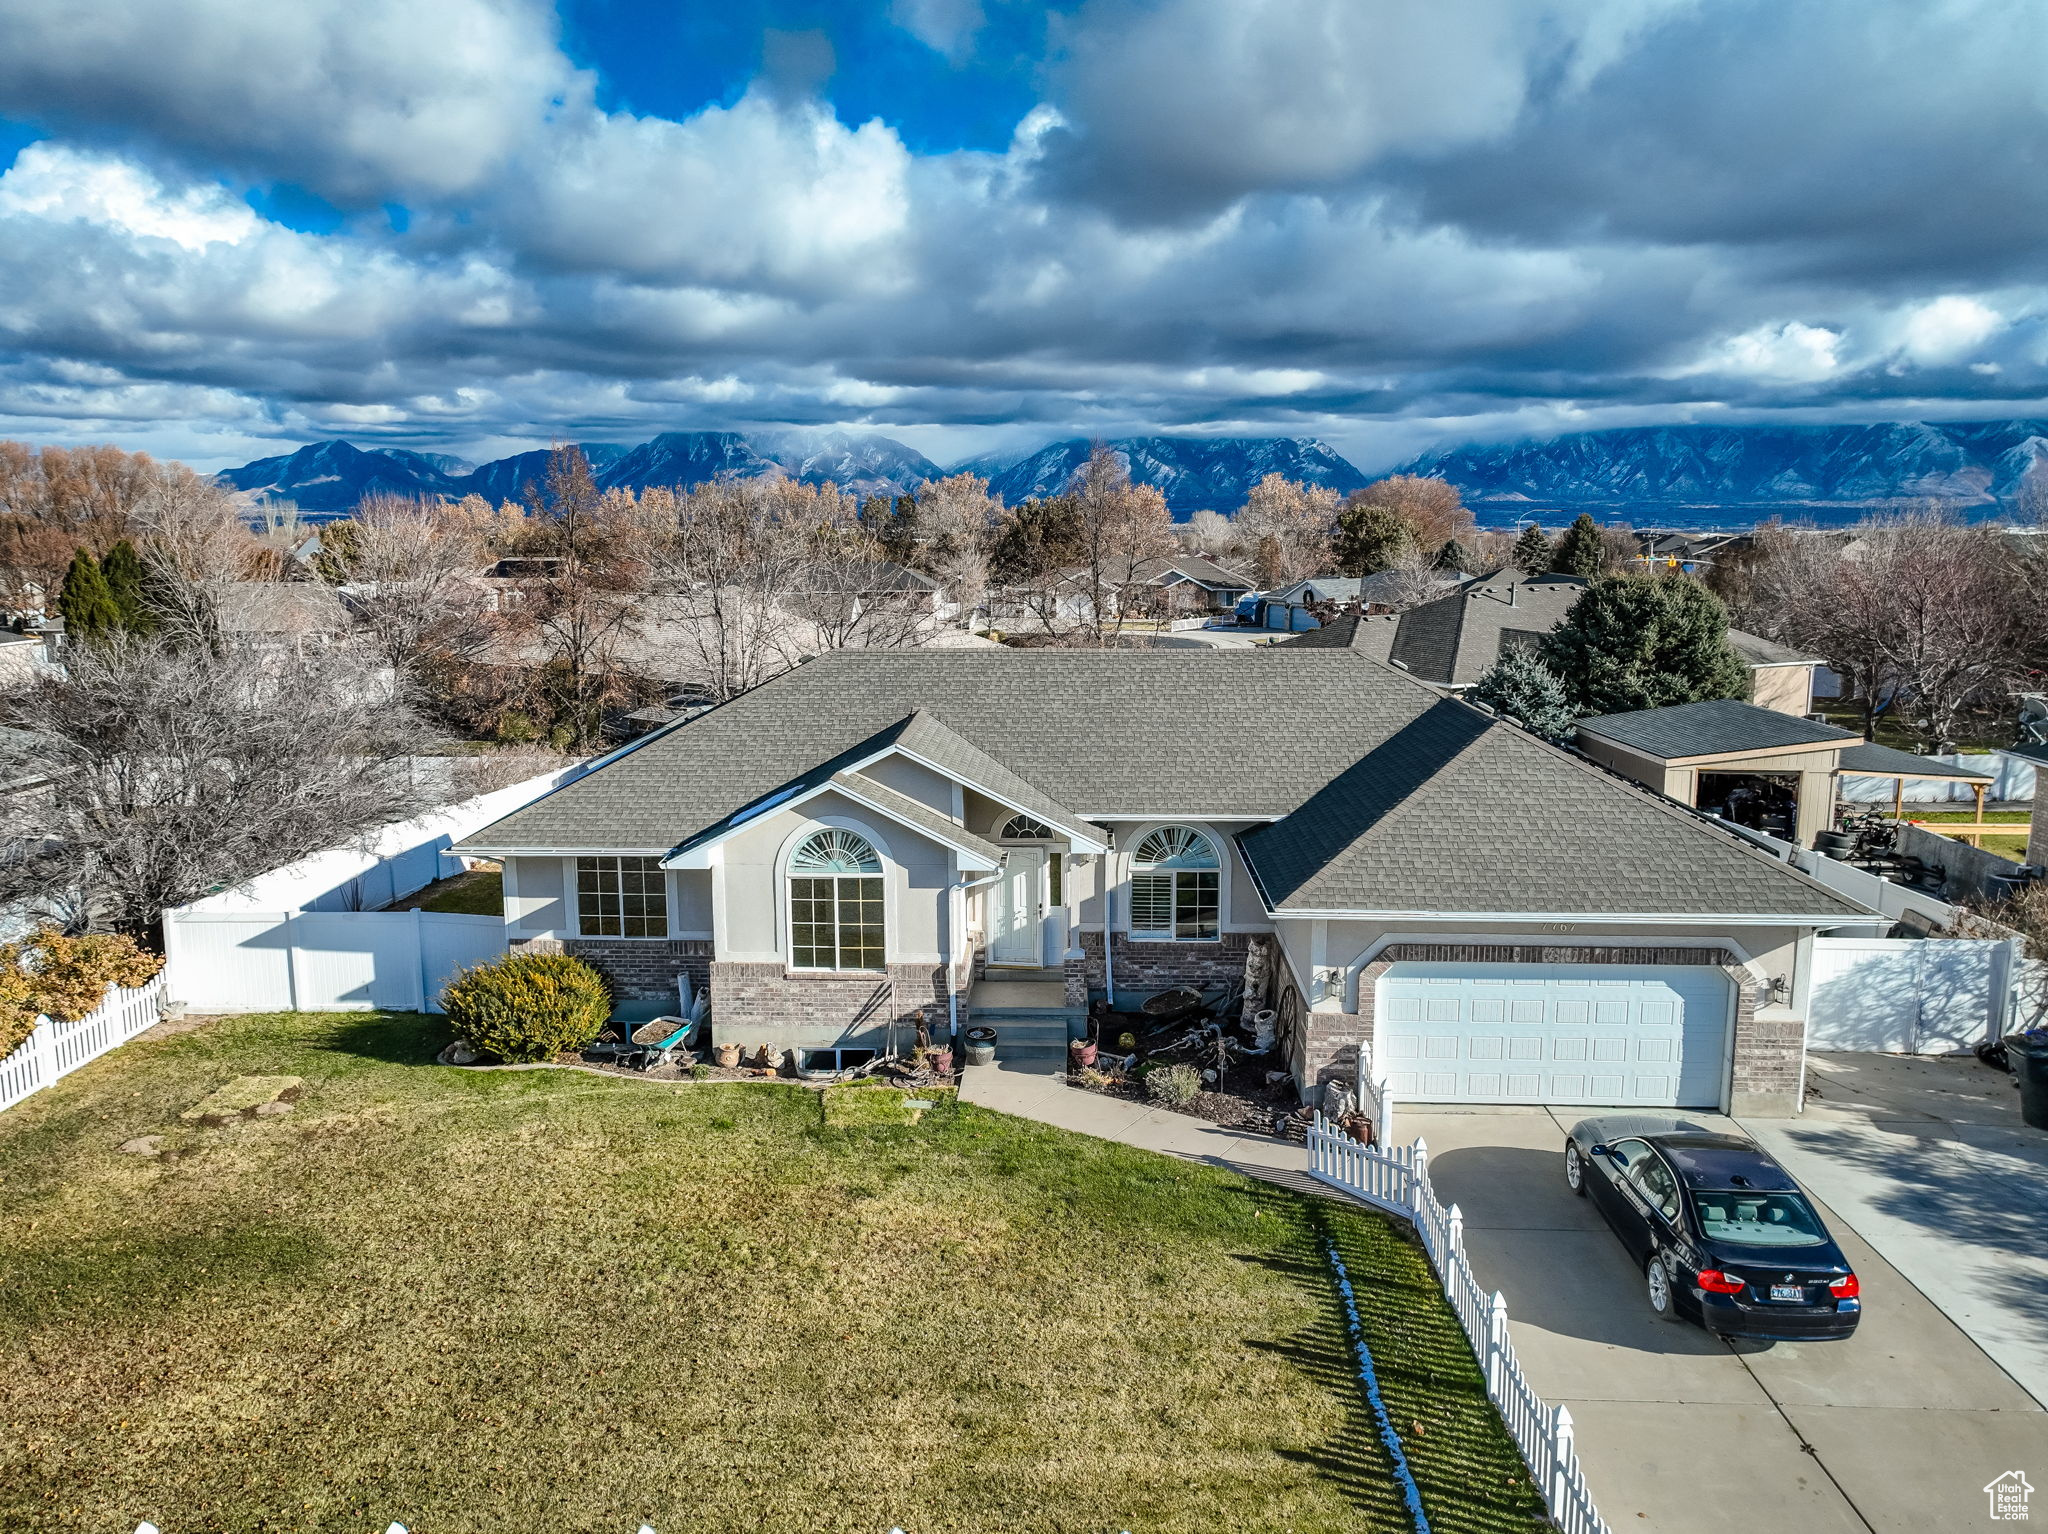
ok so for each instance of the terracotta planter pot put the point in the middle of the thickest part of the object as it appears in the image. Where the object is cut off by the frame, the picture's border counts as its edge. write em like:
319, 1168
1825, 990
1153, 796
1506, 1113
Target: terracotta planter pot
1082, 1053
727, 1055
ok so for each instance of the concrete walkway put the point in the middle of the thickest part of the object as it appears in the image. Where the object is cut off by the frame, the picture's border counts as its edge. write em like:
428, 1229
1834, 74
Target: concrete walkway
1041, 1093
1892, 1432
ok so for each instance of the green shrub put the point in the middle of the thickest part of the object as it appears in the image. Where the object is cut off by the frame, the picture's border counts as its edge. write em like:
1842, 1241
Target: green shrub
1176, 1085
528, 1006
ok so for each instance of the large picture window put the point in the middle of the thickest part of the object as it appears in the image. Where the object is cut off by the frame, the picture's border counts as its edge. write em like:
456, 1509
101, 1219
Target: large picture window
835, 903
1176, 887
621, 897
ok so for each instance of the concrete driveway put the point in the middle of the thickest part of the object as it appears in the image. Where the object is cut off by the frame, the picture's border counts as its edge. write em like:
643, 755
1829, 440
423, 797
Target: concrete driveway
1897, 1429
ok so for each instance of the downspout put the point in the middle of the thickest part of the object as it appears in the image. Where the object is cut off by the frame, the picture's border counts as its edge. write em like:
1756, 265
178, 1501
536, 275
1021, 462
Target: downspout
1109, 923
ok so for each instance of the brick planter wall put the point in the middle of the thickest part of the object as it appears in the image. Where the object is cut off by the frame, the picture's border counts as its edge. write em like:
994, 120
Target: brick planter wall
642, 969
1149, 967
766, 1003
1767, 1054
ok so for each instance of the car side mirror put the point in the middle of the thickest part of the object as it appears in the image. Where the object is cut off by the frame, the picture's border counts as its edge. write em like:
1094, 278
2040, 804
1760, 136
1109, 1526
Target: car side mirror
1603, 1150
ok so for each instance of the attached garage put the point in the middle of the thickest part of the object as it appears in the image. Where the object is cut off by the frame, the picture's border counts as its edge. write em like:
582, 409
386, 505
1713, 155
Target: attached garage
1596, 1034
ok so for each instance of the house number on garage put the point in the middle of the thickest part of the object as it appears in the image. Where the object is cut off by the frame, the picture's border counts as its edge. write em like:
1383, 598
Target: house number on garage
1560, 926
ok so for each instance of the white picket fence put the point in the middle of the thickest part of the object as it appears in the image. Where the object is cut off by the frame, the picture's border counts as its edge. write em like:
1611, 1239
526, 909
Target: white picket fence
1396, 1179
55, 1049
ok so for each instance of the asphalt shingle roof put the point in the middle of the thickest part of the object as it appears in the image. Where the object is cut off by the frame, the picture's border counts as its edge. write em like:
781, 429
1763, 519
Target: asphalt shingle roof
1457, 812
1877, 761
1218, 733
1759, 651
1393, 797
1710, 729
923, 816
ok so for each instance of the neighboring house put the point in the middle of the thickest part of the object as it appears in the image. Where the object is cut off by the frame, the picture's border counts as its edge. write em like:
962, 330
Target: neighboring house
2036, 757
21, 659
1455, 640
1499, 920
1687, 551
508, 583
1292, 609
1174, 584
1755, 766
294, 615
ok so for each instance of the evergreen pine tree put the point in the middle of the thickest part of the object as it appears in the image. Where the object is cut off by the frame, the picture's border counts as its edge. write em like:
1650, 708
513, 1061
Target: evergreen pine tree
1637, 641
122, 570
1520, 685
899, 533
85, 603
1532, 551
1579, 551
1452, 556
1370, 538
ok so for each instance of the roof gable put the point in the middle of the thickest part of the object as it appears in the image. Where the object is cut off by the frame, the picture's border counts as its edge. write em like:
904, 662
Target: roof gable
1461, 813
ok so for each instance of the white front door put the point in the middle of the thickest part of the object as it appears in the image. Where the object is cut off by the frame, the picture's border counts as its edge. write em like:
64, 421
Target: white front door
1017, 935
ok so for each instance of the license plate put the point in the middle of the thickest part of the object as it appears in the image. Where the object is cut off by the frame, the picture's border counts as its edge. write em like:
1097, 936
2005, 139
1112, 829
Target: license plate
1788, 1291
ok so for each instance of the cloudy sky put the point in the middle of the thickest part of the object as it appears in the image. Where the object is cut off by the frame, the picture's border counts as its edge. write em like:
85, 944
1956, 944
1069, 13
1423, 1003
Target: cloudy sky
470, 226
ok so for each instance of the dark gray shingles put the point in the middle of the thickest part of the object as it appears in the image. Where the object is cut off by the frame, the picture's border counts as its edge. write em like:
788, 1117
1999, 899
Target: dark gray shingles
1710, 729
1224, 734
1883, 762
1456, 812
1455, 639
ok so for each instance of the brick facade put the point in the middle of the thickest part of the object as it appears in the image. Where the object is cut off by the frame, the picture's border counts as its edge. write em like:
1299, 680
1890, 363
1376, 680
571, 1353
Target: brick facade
1768, 1053
635, 969
767, 1003
1143, 968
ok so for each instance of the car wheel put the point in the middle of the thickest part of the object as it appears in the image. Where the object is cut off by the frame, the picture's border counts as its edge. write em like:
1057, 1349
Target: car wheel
1574, 1169
1657, 1287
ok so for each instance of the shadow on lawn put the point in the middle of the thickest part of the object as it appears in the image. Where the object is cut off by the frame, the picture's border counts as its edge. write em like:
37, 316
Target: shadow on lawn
1471, 1476
393, 1038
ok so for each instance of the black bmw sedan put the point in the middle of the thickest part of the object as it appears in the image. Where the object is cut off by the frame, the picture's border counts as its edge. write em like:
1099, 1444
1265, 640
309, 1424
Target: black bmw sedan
1724, 1237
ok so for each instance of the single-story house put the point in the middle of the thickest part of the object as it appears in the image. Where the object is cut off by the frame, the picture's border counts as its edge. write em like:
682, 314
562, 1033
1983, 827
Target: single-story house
1291, 609
1493, 919
1760, 768
290, 615
1157, 586
1455, 640
2036, 757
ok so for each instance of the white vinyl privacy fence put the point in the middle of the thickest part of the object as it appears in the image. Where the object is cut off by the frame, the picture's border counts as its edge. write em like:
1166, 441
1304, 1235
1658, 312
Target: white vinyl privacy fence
1396, 1179
1909, 996
309, 937
321, 961
55, 1049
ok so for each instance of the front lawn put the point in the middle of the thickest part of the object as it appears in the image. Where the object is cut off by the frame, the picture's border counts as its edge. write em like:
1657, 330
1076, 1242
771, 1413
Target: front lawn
548, 1300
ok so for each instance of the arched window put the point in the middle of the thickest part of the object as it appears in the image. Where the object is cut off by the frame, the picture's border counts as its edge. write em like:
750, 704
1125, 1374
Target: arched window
835, 902
1176, 887
1024, 828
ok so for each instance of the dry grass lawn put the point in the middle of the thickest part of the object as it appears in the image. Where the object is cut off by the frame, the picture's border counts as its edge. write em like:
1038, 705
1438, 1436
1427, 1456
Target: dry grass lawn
544, 1300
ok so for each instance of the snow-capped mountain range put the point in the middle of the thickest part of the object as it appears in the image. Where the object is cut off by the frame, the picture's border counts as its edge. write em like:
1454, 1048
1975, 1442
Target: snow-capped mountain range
1664, 475
1761, 468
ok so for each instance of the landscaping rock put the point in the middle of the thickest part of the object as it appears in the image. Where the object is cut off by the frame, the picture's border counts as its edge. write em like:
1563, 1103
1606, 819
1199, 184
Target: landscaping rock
143, 1145
459, 1053
241, 1098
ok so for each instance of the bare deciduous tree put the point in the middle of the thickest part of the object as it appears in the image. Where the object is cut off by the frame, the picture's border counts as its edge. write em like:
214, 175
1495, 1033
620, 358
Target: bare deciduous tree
194, 543
1208, 533
407, 581
1916, 610
1283, 533
586, 609
1121, 523
956, 520
176, 771
1432, 508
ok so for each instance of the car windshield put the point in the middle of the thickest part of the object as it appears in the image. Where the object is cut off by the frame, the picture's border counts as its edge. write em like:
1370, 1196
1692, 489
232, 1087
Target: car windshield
1758, 1219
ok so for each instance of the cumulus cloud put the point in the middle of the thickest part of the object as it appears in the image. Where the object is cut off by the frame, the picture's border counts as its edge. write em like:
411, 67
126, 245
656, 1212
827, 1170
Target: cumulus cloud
1368, 223
360, 100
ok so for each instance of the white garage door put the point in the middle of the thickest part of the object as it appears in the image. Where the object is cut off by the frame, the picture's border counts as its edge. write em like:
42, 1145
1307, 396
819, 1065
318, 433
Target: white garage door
1635, 1034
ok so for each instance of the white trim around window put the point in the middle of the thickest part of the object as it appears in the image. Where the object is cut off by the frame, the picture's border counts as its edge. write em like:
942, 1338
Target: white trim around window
572, 903
891, 876
1187, 915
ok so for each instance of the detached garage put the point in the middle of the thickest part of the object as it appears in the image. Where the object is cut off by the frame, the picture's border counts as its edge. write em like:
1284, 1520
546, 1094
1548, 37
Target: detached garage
1595, 1034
